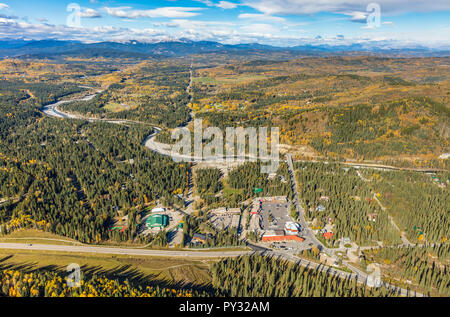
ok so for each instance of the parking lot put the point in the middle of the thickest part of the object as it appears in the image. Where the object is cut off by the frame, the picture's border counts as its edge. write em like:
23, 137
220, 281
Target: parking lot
291, 246
223, 222
275, 215
174, 220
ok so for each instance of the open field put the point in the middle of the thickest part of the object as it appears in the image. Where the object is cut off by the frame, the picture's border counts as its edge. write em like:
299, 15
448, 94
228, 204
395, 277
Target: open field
117, 107
361, 108
227, 80
36, 236
164, 270
77, 179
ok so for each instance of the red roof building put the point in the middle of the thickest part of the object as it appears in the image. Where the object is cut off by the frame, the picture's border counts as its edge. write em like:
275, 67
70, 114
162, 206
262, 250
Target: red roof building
282, 238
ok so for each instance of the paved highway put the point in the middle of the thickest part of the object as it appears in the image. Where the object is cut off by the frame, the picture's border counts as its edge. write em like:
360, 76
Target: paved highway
306, 231
122, 251
164, 149
361, 278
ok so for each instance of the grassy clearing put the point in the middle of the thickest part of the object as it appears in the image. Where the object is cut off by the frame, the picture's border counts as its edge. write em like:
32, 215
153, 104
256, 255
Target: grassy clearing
36, 236
158, 269
117, 107
204, 80
230, 191
228, 80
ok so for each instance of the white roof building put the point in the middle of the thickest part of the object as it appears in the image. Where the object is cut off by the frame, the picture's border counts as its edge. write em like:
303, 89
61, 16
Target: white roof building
158, 209
292, 228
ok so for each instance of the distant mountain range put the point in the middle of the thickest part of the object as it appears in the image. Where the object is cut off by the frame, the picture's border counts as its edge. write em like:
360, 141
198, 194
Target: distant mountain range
138, 50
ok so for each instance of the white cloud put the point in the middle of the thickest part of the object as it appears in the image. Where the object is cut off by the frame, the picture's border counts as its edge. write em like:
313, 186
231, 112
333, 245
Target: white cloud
227, 33
90, 13
202, 30
164, 12
220, 4
182, 23
226, 5
249, 28
11, 28
357, 16
308, 7
3, 6
263, 17
260, 28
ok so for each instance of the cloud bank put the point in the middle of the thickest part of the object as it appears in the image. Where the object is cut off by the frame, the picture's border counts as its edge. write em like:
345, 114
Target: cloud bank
165, 12
292, 7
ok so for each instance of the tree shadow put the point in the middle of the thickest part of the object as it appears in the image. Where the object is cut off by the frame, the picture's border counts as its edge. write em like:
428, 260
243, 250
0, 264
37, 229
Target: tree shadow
121, 273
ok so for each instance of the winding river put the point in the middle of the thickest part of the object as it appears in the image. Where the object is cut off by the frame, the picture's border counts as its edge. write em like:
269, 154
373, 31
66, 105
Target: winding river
150, 142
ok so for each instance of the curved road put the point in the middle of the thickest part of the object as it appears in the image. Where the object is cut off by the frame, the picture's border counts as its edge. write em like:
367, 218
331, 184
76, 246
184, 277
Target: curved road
165, 149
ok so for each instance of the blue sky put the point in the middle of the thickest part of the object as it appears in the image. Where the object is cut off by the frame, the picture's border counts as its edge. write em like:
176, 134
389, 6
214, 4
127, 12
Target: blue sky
275, 22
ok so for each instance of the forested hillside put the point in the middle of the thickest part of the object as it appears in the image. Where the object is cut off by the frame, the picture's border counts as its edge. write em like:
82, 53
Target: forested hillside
152, 92
425, 268
209, 184
244, 179
339, 197
258, 276
73, 178
418, 202
364, 108
46, 283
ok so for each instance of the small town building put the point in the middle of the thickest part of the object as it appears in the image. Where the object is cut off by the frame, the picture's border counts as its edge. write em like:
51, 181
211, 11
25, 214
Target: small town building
226, 210
254, 211
320, 208
158, 209
199, 238
256, 207
279, 235
328, 235
157, 221
292, 228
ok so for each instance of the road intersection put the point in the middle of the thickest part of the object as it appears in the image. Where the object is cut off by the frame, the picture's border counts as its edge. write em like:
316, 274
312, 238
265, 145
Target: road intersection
164, 149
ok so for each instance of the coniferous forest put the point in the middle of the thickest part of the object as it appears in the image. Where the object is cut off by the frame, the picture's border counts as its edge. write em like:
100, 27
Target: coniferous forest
369, 136
258, 276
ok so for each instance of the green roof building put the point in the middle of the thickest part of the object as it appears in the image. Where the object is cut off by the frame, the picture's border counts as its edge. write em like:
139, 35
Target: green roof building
157, 221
